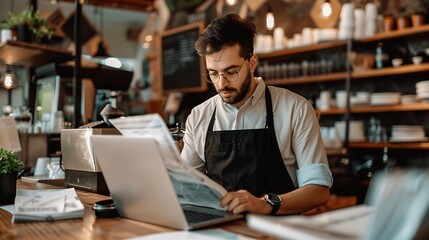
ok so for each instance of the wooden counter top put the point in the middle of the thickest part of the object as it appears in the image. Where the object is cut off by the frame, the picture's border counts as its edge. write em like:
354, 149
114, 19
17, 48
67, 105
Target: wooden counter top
91, 227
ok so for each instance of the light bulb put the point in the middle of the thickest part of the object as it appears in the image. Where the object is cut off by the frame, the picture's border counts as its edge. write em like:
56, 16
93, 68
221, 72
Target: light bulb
270, 21
148, 38
146, 45
231, 2
113, 62
326, 9
8, 81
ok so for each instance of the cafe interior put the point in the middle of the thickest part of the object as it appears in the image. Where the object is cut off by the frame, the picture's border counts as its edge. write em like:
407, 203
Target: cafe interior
362, 64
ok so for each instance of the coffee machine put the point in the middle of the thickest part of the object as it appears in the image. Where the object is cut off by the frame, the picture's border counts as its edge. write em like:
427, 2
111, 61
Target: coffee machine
82, 170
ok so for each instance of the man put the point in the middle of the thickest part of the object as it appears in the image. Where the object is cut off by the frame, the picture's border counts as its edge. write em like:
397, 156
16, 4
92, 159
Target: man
263, 144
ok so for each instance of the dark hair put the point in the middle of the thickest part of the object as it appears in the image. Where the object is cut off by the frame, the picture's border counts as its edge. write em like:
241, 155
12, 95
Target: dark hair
225, 31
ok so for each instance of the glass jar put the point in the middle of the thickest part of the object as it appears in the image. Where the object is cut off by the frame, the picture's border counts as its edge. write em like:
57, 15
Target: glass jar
23, 118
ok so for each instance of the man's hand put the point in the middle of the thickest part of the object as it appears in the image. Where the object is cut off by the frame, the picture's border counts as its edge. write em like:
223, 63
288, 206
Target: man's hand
242, 202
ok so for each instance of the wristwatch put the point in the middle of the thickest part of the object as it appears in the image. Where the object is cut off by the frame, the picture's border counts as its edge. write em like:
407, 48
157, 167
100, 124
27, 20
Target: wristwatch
274, 200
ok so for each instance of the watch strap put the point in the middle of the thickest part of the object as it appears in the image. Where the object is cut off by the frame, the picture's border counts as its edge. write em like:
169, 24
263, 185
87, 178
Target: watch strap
274, 203
275, 209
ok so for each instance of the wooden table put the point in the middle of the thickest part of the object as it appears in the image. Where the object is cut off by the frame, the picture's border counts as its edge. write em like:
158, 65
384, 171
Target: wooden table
91, 227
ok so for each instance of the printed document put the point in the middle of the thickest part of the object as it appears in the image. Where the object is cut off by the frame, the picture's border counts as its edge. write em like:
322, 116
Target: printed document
347, 223
47, 205
192, 186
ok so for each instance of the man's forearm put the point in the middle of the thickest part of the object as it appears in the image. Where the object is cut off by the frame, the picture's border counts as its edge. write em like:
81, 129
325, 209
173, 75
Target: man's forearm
304, 199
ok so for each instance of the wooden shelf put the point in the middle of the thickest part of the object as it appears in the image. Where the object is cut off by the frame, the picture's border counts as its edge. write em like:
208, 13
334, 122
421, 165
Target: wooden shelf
335, 151
31, 55
332, 111
408, 145
405, 69
394, 108
303, 49
308, 79
421, 106
407, 32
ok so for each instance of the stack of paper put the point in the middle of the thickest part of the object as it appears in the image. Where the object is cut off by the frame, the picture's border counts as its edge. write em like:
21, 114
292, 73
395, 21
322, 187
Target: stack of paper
47, 205
347, 223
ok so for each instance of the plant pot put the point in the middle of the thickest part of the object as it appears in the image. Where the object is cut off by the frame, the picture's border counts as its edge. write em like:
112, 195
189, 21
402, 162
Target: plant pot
24, 33
417, 19
388, 23
401, 23
7, 188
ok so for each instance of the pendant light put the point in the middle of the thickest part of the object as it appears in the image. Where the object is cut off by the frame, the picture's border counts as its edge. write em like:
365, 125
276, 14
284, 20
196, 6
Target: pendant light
9, 80
326, 8
269, 19
231, 2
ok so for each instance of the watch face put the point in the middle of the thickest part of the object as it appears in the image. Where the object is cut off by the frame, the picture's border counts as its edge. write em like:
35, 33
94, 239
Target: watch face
273, 198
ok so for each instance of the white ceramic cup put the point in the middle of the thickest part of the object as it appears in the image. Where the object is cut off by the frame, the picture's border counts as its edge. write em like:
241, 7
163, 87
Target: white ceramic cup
341, 98
397, 62
325, 100
41, 166
363, 97
417, 60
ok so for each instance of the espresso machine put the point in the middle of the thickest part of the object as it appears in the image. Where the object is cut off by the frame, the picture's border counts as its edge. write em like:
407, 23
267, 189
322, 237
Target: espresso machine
82, 170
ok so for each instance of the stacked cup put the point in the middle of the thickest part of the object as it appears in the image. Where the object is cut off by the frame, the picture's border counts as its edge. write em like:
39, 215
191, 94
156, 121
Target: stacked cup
307, 36
359, 29
325, 100
279, 35
370, 19
347, 21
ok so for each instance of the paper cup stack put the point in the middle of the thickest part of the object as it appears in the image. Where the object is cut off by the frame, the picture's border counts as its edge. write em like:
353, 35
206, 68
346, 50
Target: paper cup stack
371, 13
359, 24
347, 21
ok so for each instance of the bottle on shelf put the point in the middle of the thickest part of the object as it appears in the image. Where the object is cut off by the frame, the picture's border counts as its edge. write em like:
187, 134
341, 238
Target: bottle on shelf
374, 130
381, 58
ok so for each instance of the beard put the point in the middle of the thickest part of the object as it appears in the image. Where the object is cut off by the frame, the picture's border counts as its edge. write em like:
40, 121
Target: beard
241, 93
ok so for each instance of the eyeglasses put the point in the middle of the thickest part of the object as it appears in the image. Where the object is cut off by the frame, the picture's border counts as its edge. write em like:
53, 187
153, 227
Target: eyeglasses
228, 76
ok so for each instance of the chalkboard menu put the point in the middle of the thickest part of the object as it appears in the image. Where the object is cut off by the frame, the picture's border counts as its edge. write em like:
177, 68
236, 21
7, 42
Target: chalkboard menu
182, 68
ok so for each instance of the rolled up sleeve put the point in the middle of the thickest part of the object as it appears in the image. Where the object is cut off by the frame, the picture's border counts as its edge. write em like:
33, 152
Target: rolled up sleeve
316, 173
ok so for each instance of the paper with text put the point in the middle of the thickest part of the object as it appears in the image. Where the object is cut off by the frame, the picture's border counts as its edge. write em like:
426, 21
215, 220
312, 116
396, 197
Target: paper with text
192, 186
46, 205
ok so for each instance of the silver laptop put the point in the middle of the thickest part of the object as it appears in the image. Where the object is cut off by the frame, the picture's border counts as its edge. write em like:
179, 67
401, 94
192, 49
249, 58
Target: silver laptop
141, 188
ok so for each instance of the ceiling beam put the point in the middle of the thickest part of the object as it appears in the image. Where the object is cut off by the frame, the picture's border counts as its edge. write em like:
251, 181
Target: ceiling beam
135, 5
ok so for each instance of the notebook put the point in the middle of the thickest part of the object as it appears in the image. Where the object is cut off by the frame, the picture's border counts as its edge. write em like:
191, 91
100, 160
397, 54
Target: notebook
141, 188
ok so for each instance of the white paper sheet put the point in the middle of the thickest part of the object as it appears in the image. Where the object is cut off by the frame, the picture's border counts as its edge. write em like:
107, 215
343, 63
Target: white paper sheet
211, 234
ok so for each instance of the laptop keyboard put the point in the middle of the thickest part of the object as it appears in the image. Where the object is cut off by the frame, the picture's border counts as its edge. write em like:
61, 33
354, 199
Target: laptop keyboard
195, 217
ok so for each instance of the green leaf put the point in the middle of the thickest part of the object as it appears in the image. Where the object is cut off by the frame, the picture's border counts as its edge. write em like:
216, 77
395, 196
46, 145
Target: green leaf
9, 162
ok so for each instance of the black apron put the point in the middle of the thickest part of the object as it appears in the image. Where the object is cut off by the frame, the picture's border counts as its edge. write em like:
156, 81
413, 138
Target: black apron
247, 159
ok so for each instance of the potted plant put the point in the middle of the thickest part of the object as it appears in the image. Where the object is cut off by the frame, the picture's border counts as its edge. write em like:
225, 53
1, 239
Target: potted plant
417, 9
10, 165
402, 17
29, 25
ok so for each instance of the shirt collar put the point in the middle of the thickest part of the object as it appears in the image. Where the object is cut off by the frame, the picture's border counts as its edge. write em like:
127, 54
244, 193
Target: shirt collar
259, 91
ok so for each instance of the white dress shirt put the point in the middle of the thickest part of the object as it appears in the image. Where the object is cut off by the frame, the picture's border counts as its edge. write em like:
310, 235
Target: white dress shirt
296, 126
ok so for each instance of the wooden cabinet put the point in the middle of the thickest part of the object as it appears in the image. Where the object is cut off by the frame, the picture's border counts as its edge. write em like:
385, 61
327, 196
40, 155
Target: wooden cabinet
30, 54
36, 145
